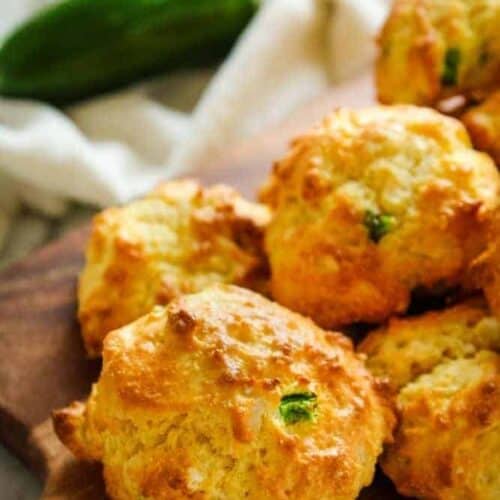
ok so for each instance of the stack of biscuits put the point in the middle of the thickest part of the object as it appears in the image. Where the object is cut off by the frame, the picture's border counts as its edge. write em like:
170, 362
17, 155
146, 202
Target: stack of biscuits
281, 349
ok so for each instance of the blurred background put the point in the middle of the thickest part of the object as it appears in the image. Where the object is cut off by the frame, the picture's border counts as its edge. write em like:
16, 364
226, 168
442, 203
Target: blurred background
101, 99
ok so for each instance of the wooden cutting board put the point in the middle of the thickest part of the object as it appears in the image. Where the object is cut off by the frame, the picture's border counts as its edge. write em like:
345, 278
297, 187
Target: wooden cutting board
43, 365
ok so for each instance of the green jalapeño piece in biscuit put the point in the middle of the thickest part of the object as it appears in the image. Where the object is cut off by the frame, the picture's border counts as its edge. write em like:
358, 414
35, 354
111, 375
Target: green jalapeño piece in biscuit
449, 74
297, 407
372, 205
378, 225
433, 49
226, 395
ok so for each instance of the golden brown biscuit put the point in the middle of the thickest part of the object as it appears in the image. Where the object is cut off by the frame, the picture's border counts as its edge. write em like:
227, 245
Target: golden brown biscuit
485, 271
444, 371
225, 395
408, 347
430, 49
179, 239
371, 205
483, 124
448, 440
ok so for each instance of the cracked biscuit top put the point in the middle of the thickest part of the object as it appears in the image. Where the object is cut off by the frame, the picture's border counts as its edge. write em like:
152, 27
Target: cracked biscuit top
443, 371
224, 394
432, 49
371, 205
178, 239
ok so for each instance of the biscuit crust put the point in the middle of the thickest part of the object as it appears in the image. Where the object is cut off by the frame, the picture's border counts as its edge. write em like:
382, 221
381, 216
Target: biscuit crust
371, 205
189, 405
179, 239
443, 369
485, 271
483, 125
406, 348
432, 49
447, 442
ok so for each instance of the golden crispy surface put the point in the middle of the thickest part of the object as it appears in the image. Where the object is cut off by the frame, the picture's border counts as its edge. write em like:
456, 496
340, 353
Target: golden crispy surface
413, 170
444, 371
430, 49
188, 405
179, 239
483, 124
408, 347
486, 269
447, 443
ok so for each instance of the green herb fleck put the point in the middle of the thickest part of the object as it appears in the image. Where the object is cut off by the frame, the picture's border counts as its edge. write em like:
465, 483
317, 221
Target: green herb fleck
484, 57
450, 70
378, 225
298, 407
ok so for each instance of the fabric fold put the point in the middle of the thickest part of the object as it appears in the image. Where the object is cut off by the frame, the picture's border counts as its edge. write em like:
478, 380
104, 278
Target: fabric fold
112, 148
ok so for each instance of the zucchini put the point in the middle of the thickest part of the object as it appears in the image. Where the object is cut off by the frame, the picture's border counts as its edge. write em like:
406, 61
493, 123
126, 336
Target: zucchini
77, 48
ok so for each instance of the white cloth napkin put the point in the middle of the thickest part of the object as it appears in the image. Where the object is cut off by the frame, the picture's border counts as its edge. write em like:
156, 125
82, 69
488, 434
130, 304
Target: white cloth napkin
112, 148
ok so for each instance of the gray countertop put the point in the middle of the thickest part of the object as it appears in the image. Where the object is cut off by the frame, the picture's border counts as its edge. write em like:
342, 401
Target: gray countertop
16, 482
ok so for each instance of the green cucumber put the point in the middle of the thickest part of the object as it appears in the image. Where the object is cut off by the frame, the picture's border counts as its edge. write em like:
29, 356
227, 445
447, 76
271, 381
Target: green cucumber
77, 48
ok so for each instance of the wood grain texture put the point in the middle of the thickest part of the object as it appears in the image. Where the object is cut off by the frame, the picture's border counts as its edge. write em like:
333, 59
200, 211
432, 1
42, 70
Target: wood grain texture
43, 362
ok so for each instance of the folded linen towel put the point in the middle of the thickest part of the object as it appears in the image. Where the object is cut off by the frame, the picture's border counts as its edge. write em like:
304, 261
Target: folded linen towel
114, 147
